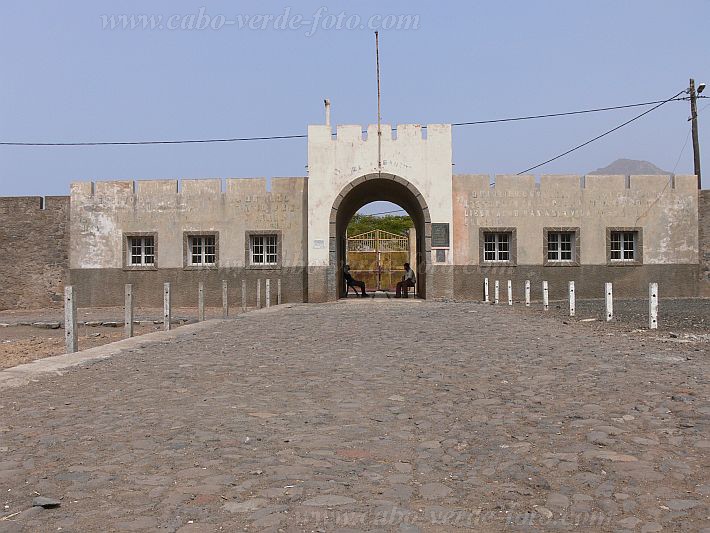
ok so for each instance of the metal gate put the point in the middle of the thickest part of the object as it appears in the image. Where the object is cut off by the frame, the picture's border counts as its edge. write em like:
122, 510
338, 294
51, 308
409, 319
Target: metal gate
377, 257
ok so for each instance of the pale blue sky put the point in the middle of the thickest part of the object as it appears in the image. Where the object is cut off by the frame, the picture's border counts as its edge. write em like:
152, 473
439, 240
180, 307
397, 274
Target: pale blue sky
67, 79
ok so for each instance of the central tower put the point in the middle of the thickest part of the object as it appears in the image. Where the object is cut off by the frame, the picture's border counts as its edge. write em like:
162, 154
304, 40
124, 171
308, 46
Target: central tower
344, 175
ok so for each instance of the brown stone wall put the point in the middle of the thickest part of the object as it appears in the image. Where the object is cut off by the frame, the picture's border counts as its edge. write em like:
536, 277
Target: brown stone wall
34, 263
704, 237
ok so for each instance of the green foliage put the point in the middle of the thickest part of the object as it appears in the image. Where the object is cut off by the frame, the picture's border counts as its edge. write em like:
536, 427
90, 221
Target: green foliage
393, 224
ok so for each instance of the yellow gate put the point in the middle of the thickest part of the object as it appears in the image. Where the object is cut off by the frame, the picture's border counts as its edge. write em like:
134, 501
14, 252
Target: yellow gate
377, 257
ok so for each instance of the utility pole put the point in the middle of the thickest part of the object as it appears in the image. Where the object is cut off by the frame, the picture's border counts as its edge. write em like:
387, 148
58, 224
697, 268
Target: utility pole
694, 123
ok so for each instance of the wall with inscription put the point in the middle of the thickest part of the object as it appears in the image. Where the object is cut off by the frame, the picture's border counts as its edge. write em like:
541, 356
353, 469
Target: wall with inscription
664, 208
103, 212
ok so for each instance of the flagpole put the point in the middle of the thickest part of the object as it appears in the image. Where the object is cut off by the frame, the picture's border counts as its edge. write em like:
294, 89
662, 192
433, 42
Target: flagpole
379, 107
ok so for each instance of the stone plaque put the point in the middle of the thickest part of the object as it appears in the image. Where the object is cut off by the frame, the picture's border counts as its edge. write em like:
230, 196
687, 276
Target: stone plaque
318, 244
440, 234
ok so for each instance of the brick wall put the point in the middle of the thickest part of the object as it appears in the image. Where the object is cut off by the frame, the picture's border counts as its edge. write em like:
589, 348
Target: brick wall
34, 262
704, 239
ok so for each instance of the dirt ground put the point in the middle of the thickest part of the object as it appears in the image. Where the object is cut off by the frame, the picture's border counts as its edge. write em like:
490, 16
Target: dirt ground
20, 342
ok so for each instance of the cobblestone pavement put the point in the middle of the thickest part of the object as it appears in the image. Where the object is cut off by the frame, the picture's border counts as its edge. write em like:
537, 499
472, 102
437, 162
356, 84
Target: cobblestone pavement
367, 415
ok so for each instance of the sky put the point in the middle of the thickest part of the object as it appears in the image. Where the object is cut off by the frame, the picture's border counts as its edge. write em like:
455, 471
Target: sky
68, 77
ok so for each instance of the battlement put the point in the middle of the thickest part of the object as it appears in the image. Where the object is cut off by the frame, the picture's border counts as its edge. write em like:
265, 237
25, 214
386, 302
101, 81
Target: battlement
173, 188
9, 204
402, 132
566, 182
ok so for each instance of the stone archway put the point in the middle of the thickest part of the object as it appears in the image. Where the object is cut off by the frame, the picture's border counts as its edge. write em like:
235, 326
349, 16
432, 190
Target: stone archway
376, 187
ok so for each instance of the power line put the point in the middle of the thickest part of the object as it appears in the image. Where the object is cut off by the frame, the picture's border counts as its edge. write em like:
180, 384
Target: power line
680, 155
304, 136
608, 132
383, 213
133, 143
567, 113
687, 138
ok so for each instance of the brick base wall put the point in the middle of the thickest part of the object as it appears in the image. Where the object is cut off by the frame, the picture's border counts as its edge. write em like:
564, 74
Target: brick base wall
105, 287
34, 262
704, 241
629, 281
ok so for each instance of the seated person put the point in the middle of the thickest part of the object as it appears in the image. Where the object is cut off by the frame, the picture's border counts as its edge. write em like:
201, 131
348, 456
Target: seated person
352, 282
408, 280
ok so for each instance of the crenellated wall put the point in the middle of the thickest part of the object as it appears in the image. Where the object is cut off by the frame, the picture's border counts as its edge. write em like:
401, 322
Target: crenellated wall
34, 263
46, 242
662, 208
103, 213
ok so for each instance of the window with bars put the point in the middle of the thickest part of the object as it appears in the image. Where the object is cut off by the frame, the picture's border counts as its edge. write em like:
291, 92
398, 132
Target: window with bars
141, 251
623, 245
263, 250
496, 246
203, 250
560, 246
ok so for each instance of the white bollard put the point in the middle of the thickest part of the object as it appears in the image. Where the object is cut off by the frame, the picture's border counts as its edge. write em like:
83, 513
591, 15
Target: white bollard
496, 292
71, 338
545, 296
258, 294
244, 295
572, 301
485, 290
609, 302
527, 293
510, 292
201, 302
268, 293
278, 291
128, 312
225, 299
166, 307
653, 306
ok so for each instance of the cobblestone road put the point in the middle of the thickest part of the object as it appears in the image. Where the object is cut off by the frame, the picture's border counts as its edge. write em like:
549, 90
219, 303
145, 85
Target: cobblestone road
393, 416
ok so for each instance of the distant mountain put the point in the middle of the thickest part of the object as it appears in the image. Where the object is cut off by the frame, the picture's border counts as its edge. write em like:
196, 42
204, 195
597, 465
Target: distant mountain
630, 167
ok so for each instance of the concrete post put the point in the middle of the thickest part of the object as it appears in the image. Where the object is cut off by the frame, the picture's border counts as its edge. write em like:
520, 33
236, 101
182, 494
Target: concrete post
496, 292
609, 302
510, 292
278, 291
244, 295
268, 293
258, 294
572, 300
653, 306
71, 337
225, 299
485, 291
201, 302
545, 296
166, 307
527, 293
128, 312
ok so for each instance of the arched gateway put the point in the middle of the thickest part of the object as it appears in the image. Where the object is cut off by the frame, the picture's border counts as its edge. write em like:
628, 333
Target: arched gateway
390, 188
